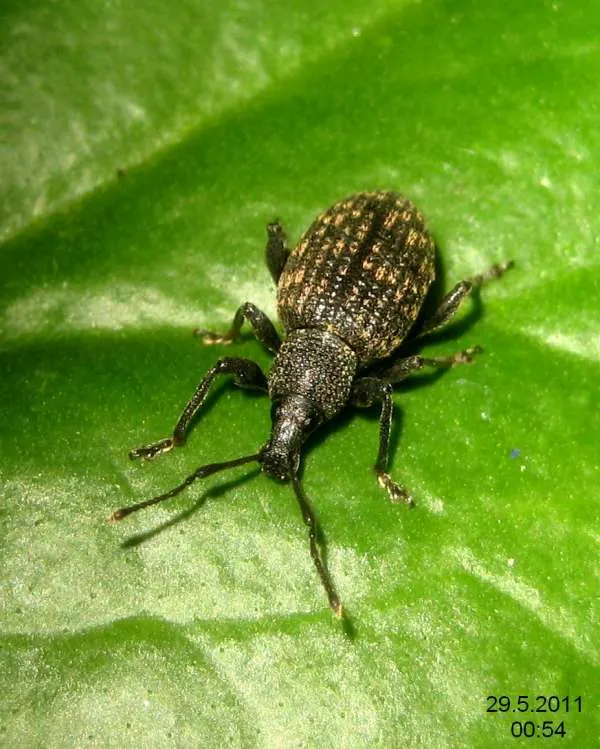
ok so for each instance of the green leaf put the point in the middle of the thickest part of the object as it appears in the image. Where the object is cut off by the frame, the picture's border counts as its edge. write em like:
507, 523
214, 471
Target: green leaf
148, 147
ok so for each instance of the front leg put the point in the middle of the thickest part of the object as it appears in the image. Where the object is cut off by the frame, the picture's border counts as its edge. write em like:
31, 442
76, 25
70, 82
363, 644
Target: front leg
263, 328
365, 392
369, 390
246, 373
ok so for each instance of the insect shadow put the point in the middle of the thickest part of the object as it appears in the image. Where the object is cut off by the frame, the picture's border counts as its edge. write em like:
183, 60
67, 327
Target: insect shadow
213, 493
347, 626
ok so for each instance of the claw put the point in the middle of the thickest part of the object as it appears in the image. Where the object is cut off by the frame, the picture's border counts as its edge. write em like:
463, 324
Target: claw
209, 338
149, 452
397, 494
466, 356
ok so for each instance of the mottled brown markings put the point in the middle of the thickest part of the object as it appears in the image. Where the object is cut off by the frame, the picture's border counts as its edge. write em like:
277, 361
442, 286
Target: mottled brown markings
386, 275
356, 259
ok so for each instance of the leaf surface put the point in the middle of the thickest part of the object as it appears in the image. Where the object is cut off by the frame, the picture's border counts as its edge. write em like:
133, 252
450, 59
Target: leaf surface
148, 149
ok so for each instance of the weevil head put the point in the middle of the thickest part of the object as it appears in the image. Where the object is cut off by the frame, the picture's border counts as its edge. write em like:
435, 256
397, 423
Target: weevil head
293, 419
309, 383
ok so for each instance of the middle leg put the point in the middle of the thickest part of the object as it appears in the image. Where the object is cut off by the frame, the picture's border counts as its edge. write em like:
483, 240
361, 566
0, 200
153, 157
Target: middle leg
400, 369
263, 328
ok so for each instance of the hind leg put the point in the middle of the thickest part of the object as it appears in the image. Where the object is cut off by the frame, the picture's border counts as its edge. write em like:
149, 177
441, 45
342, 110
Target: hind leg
276, 251
452, 301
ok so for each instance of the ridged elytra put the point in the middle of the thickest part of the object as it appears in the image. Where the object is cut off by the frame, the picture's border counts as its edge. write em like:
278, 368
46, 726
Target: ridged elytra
348, 296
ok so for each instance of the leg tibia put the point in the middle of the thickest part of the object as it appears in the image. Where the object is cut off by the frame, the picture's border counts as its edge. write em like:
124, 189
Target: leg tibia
452, 301
401, 369
246, 373
263, 329
366, 392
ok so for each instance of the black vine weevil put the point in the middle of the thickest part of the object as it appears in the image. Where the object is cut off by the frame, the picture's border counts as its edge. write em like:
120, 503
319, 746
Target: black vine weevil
348, 295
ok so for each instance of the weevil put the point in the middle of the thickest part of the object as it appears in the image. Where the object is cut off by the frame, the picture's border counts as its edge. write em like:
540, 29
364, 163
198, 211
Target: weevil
348, 297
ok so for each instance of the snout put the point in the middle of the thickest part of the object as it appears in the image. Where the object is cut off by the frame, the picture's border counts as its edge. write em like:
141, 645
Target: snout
274, 463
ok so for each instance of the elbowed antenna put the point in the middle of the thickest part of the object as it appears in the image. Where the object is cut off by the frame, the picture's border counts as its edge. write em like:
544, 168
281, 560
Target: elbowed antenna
199, 473
319, 562
307, 515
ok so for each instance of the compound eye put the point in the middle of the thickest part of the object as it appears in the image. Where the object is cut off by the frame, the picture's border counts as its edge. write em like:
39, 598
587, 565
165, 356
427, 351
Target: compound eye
275, 410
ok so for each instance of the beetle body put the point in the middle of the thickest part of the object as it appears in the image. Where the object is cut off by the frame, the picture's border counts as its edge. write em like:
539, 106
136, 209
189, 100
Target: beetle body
348, 295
